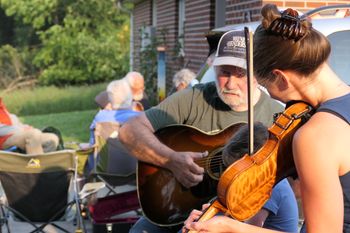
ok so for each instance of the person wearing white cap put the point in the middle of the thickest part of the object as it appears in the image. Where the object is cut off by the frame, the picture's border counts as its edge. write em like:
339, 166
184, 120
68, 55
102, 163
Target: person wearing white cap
210, 107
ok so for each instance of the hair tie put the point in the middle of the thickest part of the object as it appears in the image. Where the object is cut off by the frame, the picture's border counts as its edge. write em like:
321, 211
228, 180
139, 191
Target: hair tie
288, 26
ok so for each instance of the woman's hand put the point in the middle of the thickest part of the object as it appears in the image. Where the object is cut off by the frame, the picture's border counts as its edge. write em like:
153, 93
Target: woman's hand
195, 214
217, 224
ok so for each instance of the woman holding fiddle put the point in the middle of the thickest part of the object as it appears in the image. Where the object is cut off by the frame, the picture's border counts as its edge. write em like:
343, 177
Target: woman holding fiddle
290, 60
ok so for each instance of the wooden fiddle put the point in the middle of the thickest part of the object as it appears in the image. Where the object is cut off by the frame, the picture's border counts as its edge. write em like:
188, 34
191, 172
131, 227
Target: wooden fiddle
246, 185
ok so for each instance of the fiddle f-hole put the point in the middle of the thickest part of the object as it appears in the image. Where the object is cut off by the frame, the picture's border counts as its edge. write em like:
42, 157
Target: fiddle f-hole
214, 164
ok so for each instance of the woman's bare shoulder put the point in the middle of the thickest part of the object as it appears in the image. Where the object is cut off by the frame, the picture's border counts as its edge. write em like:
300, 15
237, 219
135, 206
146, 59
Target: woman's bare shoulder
322, 140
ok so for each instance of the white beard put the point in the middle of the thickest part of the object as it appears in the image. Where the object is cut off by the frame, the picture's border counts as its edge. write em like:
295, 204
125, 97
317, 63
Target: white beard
232, 101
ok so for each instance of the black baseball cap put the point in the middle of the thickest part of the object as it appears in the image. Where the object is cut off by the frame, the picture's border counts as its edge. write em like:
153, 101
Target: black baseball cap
231, 50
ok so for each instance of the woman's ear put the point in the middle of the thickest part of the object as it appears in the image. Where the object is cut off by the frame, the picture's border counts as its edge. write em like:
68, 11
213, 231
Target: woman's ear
282, 80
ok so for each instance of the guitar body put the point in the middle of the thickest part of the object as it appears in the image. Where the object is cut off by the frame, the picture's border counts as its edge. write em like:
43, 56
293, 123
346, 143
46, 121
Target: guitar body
164, 201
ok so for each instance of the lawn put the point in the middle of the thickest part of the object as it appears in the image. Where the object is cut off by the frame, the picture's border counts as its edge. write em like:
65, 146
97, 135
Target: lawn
45, 100
74, 125
69, 109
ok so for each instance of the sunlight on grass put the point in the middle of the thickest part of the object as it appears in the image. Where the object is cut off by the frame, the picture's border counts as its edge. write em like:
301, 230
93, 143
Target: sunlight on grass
74, 126
44, 100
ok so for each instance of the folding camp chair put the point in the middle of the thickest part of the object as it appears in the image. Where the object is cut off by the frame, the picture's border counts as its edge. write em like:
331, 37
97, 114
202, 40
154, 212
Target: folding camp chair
37, 189
115, 167
112, 163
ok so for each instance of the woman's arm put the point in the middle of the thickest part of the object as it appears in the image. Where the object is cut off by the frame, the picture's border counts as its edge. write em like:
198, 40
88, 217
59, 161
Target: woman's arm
223, 224
317, 148
226, 224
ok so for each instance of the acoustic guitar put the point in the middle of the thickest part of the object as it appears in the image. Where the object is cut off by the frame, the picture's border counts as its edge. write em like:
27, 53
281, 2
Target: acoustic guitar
164, 201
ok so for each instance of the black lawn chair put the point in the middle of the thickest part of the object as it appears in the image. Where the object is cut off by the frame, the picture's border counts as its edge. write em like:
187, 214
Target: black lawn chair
37, 189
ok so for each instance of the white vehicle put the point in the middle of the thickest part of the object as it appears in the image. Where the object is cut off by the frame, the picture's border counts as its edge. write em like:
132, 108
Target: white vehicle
332, 21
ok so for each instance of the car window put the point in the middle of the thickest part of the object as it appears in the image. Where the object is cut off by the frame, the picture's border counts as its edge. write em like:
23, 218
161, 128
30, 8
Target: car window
339, 59
204, 69
209, 75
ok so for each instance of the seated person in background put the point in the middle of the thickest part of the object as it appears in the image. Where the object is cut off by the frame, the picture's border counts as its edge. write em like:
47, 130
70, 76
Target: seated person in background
102, 102
120, 97
24, 137
183, 79
280, 212
137, 86
117, 108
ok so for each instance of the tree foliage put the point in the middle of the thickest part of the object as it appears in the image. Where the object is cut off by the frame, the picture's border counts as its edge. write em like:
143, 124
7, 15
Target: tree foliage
81, 41
14, 72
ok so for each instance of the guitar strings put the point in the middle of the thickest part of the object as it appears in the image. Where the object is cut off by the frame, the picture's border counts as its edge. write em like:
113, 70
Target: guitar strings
205, 160
212, 161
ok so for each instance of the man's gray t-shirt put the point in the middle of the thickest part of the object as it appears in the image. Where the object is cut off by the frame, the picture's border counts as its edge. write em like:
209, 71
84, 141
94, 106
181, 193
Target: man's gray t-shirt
201, 107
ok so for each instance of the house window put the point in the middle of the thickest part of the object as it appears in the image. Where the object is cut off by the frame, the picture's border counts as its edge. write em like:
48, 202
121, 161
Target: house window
181, 27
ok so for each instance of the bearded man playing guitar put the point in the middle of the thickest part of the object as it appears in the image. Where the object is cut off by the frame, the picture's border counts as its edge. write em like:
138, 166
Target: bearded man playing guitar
211, 108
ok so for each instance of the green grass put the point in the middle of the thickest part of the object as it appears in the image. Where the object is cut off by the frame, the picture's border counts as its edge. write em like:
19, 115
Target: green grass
74, 125
69, 109
45, 100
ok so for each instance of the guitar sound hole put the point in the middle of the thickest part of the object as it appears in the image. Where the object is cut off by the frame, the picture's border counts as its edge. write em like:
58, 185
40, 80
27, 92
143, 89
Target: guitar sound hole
214, 169
215, 165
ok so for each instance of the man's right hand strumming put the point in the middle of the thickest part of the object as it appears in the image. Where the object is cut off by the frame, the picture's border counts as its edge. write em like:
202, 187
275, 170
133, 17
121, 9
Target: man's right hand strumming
184, 168
138, 136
